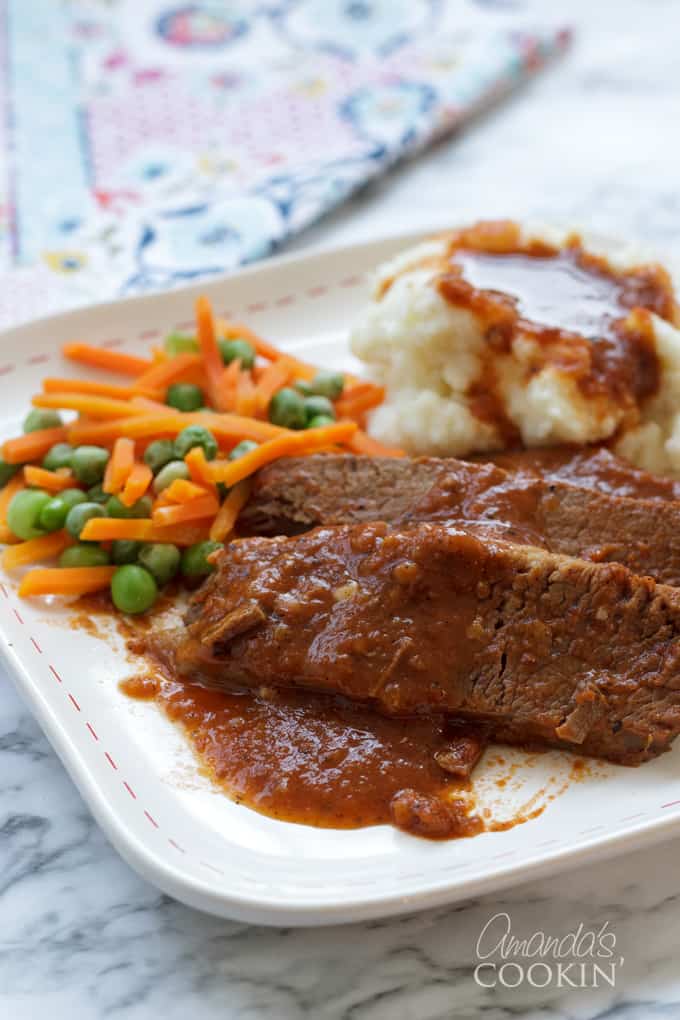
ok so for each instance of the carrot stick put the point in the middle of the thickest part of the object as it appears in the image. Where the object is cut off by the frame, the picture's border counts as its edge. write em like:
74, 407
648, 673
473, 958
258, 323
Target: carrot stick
101, 389
137, 483
7, 494
85, 403
205, 505
65, 580
275, 375
36, 549
7, 536
32, 446
246, 397
207, 341
229, 385
358, 400
224, 523
360, 442
150, 405
120, 465
227, 427
101, 357
107, 529
294, 443
159, 377
199, 466
51, 481
181, 491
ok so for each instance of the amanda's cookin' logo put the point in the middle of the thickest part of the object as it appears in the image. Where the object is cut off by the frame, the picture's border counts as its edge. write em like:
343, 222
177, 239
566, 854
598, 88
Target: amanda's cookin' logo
583, 958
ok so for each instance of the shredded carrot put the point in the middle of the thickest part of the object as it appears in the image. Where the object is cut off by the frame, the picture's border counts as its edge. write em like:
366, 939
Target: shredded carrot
224, 523
7, 536
205, 505
137, 483
294, 443
36, 549
50, 481
157, 379
65, 580
101, 389
199, 466
181, 491
229, 385
7, 494
108, 529
32, 446
226, 427
207, 341
272, 379
246, 397
362, 443
119, 466
102, 357
359, 399
302, 369
90, 404
157, 406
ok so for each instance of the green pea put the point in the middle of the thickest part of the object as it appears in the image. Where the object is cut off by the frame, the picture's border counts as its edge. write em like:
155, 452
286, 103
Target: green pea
240, 450
168, 474
124, 550
133, 589
315, 406
53, 515
192, 436
159, 453
116, 508
42, 418
328, 384
320, 421
85, 554
7, 471
79, 515
179, 343
303, 387
96, 494
287, 408
184, 396
23, 513
195, 559
58, 456
88, 463
237, 350
161, 559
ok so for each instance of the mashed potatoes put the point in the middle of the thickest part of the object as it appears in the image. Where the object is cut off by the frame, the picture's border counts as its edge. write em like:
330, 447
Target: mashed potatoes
497, 335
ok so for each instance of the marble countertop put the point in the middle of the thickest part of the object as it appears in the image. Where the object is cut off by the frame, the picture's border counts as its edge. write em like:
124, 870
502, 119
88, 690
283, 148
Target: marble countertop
594, 140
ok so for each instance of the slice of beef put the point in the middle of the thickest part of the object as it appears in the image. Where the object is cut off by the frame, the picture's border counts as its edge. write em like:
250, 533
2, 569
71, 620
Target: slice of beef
538, 647
593, 467
296, 494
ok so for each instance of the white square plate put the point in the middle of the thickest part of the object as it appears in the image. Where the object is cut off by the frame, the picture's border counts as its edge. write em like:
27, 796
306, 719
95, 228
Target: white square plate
137, 772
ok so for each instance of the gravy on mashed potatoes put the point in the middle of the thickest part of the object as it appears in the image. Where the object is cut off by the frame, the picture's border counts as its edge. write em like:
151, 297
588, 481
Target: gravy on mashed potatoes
497, 335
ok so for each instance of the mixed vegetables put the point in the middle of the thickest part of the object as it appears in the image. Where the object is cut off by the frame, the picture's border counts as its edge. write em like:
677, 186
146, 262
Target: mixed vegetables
147, 481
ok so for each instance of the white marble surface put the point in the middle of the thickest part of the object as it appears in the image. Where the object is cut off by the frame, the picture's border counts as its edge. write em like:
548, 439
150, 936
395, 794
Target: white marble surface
81, 936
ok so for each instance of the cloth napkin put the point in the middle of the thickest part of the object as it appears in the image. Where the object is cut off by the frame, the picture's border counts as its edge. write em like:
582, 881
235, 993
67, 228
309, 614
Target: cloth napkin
148, 143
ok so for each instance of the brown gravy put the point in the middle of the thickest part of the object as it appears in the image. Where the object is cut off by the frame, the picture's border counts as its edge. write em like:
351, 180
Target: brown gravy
318, 760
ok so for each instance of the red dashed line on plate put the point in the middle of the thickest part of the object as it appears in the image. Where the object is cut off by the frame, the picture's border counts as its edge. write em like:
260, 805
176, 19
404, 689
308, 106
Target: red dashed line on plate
91, 729
36, 646
149, 334
6, 369
38, 359
176, 846
151, 819
318, 291
212, 867
129, 789
631, 818
115, 342
548, 842
187, 324
74, 702
228, 314
18, 615
350, 281
54, 672
593, 828
110, 760
256, 306
507, 853
4, 590
287, 299
671, 803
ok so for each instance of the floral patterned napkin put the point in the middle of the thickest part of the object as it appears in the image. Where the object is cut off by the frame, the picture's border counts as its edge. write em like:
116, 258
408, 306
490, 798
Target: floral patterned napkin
147, 143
